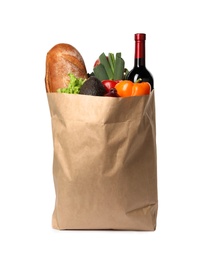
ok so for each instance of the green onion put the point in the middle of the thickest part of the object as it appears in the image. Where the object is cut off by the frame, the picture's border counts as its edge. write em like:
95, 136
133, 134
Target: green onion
100, 72
111, 60
118, 54
104, 61
119, 67
111, 67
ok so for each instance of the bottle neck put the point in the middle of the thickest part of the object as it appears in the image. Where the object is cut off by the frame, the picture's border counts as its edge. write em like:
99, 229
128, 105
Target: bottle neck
140, 53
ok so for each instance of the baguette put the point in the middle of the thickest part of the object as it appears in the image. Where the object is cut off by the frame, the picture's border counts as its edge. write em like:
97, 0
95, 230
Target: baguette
61, 60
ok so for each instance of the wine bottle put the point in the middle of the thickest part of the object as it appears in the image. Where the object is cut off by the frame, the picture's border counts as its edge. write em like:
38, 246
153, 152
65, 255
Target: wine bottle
139, 70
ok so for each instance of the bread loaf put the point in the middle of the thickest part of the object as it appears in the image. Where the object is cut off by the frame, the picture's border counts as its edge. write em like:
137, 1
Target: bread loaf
61, 60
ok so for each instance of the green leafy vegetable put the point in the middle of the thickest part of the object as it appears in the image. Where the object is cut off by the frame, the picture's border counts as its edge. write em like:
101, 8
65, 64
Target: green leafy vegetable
119, 67
100, 72
105, 62
73, 86
110, 68
111, 60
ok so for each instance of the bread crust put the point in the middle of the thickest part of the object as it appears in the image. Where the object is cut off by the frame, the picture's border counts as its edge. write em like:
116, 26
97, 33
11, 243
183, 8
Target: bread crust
61, 60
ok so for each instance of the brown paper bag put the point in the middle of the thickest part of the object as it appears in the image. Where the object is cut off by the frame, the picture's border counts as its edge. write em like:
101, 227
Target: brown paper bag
104, 165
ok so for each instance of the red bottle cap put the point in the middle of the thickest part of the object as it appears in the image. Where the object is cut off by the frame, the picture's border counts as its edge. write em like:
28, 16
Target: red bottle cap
140, 37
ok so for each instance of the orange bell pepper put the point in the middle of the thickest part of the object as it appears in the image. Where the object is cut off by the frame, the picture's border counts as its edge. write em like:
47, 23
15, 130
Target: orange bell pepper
126, 88
140, 89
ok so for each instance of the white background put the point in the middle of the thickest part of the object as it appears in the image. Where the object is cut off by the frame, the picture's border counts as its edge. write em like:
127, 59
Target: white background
174, 55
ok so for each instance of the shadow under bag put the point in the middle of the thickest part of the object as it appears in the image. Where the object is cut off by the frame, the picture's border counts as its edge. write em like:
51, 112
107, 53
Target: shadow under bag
105, 162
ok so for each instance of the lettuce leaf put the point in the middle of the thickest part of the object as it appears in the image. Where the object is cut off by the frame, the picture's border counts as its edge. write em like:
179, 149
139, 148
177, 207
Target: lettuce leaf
73, 86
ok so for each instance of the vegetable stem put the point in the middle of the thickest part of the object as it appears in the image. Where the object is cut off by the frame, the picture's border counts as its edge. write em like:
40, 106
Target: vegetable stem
104, 61
119, 67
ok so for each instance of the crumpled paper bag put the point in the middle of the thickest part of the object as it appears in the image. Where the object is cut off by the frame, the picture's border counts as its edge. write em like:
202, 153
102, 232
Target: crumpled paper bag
105, 162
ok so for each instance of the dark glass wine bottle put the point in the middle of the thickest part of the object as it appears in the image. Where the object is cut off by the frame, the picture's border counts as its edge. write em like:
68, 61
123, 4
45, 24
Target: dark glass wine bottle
139, 70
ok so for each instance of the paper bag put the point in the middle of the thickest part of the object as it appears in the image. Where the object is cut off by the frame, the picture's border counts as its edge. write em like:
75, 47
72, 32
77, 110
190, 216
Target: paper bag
105, 164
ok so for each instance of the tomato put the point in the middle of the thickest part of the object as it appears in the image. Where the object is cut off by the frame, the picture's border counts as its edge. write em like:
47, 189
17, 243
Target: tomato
124, 88
140, 89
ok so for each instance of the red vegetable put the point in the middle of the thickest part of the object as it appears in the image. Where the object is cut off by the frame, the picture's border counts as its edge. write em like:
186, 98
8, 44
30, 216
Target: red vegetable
112, 93
97, 62
109, 84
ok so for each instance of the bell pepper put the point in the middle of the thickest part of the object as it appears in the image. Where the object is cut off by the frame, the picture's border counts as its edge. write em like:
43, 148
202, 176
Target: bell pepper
141, 88
109, 84
126, 88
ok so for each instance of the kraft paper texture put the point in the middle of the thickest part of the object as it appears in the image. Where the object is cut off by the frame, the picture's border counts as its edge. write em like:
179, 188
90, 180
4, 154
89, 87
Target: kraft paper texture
105, 162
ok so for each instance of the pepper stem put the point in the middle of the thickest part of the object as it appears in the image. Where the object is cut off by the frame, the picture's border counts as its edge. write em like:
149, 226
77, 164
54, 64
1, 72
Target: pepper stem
138, 80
